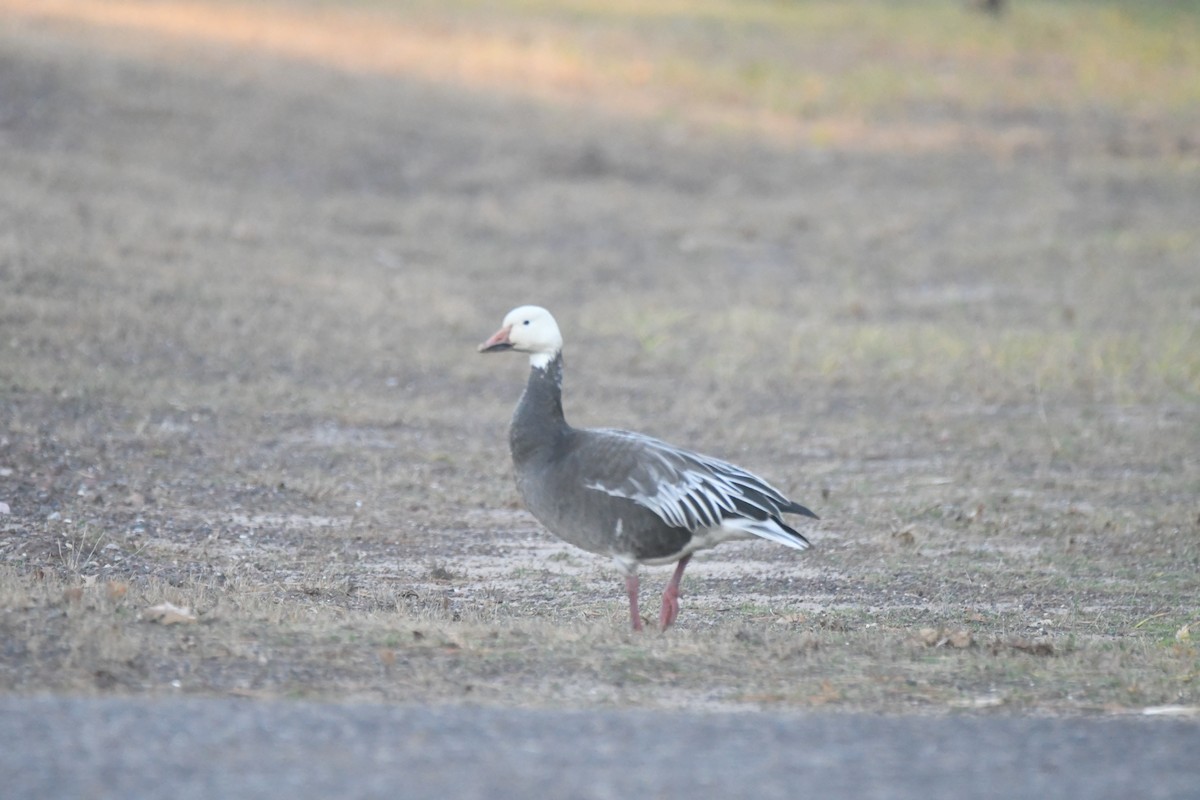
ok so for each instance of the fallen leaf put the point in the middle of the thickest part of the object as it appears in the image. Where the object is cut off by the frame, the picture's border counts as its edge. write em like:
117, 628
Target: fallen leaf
828, 694
1184, 633
1034, 648
983, 701
959, 639
762, 698
116, 589
1171, 711
168, 614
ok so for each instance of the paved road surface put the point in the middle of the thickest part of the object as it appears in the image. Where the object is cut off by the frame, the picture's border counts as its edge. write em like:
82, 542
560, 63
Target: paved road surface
179, 749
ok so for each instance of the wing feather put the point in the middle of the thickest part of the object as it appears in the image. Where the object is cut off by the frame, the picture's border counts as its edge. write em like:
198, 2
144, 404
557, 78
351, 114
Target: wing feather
685, 489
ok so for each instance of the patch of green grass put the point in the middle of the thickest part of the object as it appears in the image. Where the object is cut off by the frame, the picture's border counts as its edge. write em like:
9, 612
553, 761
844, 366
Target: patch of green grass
867, 56
1171, 629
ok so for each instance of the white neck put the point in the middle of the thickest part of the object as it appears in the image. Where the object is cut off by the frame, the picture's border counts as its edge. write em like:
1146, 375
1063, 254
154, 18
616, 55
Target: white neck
541, 360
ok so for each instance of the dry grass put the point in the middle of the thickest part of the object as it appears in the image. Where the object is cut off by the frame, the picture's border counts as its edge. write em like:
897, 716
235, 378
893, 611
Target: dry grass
82, 635
243, 286
859, 75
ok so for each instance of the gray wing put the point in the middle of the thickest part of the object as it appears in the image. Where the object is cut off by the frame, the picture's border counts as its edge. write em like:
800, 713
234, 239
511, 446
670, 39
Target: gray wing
688, 490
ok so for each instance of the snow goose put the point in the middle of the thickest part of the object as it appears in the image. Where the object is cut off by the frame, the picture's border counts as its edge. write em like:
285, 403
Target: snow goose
628, 496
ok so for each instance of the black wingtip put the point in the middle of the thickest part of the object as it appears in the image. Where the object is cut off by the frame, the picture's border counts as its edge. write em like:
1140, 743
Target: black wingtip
796, 508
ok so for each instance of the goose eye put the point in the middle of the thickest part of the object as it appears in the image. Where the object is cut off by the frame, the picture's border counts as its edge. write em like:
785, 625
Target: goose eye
526, 322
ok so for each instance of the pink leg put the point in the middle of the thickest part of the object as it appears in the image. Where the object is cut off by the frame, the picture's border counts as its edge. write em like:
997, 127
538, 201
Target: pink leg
631, 586
670, 604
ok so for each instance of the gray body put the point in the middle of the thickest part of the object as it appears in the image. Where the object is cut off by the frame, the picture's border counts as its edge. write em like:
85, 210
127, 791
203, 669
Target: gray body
631, 497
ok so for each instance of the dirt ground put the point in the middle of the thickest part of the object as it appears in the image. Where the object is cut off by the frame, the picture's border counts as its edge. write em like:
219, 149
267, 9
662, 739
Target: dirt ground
242, 290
